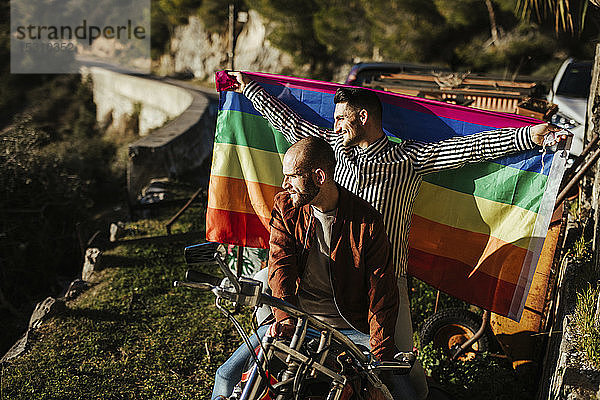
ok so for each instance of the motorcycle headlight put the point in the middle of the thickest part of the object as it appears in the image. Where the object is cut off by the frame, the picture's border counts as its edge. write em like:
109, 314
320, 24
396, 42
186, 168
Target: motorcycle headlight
562, 121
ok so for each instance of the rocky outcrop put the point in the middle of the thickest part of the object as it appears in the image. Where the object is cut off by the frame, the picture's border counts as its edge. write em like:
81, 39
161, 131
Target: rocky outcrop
43, 310
254, 52
51, 306
90, 263
195, 50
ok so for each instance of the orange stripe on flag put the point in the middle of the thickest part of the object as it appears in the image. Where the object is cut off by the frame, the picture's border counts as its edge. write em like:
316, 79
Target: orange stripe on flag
489, 255
238, 195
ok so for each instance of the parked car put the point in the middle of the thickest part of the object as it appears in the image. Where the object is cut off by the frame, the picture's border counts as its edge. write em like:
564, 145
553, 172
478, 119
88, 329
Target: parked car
570, 91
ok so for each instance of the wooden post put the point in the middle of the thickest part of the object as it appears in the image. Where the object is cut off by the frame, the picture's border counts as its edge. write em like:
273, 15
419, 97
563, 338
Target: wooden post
493, 26
591, 129
593, 115
182, 210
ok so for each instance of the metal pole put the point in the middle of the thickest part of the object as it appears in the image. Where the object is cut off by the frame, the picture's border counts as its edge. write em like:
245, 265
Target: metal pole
576, 178
580, 159
240, 261
231, 36
465, 346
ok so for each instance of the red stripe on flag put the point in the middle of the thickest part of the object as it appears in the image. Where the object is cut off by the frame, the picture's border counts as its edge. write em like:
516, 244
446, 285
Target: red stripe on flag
452, 276
236, 228
484, 253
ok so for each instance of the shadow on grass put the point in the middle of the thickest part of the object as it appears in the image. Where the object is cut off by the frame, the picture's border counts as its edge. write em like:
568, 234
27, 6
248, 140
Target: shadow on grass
117, 261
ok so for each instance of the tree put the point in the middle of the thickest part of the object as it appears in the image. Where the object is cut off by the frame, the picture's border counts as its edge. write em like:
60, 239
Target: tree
569, 15
342, 27
295, 33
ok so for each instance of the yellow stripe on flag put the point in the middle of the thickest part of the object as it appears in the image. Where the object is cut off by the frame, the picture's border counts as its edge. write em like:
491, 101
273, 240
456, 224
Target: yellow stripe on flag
248, 164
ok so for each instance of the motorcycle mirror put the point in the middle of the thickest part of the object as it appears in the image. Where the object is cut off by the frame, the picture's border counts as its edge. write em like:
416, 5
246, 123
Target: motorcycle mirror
208, 254
201, 254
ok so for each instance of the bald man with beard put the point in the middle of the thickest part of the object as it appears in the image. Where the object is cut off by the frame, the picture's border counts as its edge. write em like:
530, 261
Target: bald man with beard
329, 255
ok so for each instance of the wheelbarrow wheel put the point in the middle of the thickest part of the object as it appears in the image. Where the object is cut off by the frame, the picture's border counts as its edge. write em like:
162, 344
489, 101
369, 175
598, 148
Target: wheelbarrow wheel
449, 329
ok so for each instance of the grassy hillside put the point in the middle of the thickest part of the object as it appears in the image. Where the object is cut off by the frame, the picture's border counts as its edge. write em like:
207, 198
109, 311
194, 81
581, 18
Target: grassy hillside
134, 336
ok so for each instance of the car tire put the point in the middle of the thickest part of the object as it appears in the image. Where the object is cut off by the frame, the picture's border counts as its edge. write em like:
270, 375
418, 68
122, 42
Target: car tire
449, 329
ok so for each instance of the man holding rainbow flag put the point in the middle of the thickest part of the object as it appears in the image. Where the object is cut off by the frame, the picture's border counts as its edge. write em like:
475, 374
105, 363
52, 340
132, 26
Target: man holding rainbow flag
388, 173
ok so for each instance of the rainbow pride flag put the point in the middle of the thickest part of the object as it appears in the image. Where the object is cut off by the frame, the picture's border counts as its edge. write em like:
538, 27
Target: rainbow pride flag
477, 231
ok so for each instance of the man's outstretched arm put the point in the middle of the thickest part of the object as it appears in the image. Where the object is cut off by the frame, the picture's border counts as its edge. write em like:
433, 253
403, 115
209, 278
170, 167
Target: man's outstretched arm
458, 151
280, 116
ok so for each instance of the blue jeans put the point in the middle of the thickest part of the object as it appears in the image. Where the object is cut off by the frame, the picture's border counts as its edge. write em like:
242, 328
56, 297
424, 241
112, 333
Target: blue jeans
230, 373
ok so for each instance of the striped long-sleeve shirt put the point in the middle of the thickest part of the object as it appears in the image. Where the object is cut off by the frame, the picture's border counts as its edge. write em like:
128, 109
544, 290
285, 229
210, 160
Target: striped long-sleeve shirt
388, 174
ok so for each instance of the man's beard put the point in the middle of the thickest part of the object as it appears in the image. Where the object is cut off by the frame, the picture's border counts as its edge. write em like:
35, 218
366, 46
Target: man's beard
311, 190
359, 134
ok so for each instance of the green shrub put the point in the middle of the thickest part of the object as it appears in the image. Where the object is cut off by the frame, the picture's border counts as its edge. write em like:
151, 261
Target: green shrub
422, 302
484, 377
589, 334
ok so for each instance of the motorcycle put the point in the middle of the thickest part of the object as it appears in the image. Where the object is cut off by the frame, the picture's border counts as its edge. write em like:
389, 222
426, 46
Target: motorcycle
318, 362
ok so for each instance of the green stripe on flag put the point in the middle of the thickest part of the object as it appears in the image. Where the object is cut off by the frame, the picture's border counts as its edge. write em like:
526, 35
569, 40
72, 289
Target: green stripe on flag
494, 182
239, 128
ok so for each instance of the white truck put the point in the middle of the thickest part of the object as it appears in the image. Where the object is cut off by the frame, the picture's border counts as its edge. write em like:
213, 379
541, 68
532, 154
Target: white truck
570, 91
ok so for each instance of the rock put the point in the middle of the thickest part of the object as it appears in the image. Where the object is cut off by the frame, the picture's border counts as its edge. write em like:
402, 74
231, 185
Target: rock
155, 192
91, 263
253, 50
152, 198
166, 65
17, 349
117, 231
194, 49
156, 185
76, 287
44, 309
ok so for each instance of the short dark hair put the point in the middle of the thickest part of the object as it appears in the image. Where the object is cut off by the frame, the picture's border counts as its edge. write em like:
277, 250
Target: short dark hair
359, 98
317, 153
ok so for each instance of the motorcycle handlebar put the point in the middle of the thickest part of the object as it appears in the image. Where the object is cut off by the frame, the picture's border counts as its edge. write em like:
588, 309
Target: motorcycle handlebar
255, 297
248, 292
197, 276
194, 285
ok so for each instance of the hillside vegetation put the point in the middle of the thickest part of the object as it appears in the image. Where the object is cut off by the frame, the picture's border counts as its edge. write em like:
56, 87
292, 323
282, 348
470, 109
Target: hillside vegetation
474, 35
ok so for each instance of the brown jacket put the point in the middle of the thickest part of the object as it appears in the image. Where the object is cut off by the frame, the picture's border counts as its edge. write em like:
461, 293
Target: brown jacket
362, 273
